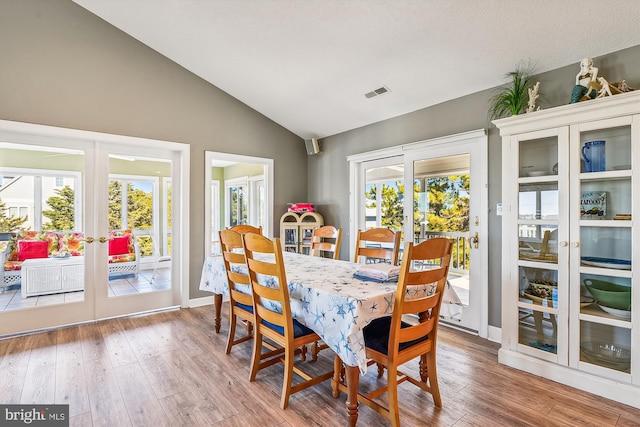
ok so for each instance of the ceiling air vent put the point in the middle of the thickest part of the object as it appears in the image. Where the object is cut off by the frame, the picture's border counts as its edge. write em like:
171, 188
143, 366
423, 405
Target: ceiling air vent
376, 92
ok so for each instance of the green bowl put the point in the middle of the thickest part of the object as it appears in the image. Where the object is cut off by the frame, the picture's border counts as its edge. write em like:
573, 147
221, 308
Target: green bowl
609, 294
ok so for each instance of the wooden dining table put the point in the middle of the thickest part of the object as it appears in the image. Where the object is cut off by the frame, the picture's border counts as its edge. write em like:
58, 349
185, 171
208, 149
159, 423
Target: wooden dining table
326, 297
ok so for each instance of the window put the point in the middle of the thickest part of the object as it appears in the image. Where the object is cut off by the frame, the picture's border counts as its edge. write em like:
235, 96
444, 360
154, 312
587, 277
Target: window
36, 195
236, 202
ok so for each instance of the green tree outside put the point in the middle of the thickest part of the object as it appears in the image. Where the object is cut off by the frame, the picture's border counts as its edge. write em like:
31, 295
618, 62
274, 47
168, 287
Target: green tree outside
8, 222
61, 214
447, 211
139, 212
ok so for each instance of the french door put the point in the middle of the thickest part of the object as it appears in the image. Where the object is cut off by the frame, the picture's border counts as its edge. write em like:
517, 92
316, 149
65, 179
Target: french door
431, 189
82, 193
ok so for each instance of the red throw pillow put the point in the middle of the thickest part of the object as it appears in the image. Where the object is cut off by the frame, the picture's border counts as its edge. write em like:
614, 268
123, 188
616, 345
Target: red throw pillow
119, 245
33, 249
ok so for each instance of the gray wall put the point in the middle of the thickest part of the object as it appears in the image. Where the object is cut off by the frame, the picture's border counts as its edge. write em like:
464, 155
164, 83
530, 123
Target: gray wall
328, 172
63, 66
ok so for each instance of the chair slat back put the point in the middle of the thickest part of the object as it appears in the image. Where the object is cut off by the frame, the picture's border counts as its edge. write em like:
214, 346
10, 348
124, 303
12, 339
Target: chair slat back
232, 254
326, 240
378, 236
434, 253
268, 281
245, 228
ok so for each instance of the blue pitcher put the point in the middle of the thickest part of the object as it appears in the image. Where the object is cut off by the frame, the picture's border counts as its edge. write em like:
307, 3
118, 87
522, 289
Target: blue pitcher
594, 156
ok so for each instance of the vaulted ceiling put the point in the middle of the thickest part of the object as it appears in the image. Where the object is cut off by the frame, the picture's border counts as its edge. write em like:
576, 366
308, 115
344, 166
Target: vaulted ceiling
307, 64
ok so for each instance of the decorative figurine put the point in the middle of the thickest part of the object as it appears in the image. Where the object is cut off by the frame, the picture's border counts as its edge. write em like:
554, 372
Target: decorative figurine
605, 90
533, 95
623, 86
587, 85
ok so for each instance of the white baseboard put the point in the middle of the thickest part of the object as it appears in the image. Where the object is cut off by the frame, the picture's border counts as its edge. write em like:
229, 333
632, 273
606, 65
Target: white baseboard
494, 334
613, 389
199, 302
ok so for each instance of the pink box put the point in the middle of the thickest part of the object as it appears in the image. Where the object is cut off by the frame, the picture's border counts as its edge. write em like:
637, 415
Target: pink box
301, 207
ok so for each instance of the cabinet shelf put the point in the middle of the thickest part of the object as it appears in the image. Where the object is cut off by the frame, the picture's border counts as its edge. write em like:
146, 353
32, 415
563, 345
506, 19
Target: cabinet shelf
606, 223
600, 271
594, 314
538, 179
607, 175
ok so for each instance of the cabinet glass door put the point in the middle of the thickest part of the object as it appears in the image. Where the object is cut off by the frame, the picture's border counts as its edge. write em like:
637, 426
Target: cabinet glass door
540, 284
601, 211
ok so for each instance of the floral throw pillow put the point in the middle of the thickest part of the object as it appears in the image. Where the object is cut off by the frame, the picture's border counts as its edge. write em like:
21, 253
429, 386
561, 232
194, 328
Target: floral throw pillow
72, 243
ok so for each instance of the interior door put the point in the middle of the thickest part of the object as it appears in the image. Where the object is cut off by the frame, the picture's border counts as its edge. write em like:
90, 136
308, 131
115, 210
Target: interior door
45, 203
134, 257
449, 199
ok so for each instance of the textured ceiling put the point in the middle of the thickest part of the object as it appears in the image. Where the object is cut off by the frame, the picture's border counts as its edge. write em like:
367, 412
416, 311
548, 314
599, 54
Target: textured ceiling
307, 64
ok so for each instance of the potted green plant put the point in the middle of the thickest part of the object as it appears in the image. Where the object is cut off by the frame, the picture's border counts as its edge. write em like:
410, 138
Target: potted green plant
512, 98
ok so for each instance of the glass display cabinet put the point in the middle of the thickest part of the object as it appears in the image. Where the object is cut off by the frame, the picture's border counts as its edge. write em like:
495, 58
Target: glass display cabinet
570, 249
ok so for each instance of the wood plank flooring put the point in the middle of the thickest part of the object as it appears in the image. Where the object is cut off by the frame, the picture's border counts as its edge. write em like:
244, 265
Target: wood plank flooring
169, 369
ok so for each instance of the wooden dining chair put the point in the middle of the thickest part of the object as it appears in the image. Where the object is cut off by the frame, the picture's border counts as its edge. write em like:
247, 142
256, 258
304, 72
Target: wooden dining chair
371, 245
325, 242
240, 303
245, 228
391, 342
277, 326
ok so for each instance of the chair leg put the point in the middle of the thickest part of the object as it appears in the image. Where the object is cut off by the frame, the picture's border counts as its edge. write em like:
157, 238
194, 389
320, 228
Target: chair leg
433, 378
257, 352
424, 368
303, 353
289, 358
232, 330
392, 394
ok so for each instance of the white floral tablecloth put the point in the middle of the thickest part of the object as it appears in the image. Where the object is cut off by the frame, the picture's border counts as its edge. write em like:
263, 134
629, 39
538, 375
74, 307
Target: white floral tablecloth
328, 299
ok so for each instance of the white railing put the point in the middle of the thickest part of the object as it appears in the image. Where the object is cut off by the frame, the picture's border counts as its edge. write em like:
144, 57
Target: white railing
461, 246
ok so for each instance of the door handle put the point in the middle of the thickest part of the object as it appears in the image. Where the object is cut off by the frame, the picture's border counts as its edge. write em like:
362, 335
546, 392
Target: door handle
102, 239
89, 240
474, 240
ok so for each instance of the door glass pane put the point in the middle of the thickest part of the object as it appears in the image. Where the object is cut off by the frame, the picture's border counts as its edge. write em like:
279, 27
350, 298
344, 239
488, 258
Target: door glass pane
384, 198
538, 308
139, 257
606, 346
41, 226
441, 202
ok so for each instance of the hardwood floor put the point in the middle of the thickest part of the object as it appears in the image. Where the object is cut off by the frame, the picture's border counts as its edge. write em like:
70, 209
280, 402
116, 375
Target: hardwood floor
169, 369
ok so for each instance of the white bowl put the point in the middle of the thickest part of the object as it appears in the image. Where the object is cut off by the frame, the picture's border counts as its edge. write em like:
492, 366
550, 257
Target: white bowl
623, 314
538, 173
